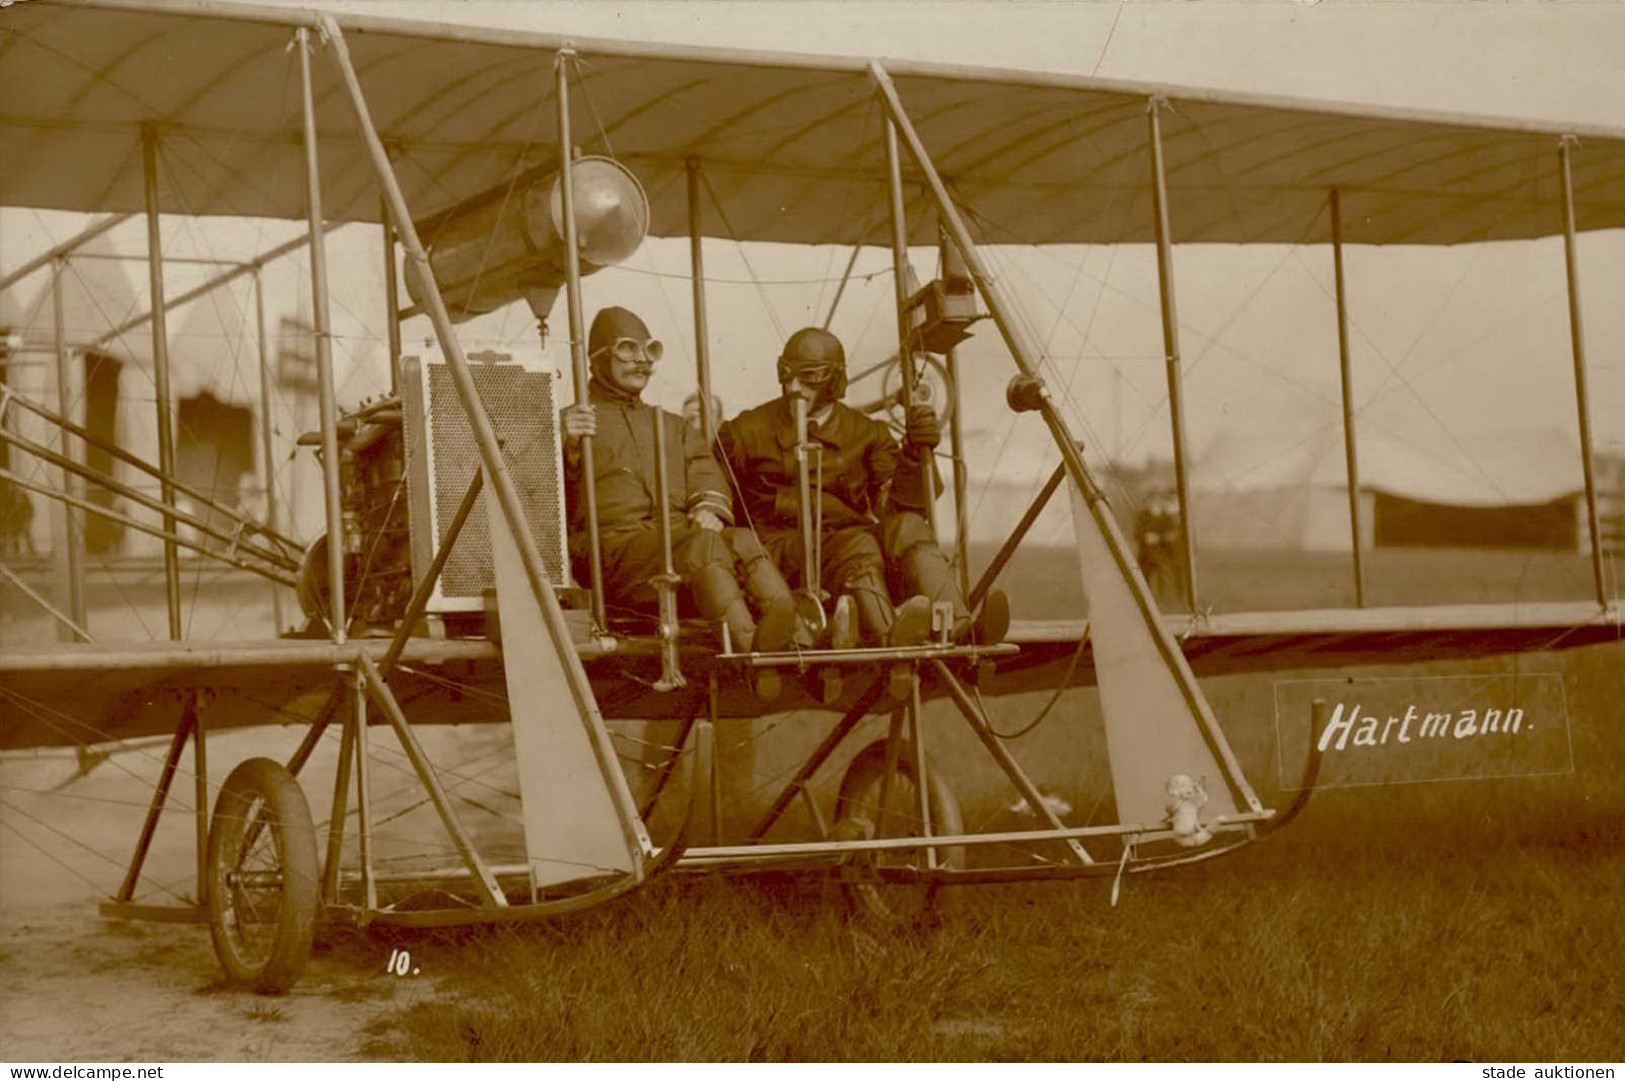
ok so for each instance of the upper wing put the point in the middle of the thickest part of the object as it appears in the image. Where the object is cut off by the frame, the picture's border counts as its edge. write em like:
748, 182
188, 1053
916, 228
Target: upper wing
790, 143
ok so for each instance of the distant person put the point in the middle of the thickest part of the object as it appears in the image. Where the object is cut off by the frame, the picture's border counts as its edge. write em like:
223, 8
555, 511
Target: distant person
1157, 536
691, 412
16, 518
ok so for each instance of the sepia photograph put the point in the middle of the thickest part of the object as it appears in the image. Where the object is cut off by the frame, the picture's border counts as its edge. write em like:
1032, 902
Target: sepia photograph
812, 530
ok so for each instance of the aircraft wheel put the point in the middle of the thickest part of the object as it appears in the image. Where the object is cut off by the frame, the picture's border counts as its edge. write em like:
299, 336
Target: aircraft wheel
263, 881
856, 812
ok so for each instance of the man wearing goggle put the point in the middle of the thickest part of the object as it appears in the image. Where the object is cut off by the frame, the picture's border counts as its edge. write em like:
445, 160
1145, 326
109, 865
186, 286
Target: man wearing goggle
879, 560
711, 557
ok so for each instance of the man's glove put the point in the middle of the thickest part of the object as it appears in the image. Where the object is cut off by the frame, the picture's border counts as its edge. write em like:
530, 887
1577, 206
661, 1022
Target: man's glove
922, 429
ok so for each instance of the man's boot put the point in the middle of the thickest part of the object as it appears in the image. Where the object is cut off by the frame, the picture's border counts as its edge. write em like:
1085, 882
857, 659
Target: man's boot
782, 625
720, 601
926, 571
879, 624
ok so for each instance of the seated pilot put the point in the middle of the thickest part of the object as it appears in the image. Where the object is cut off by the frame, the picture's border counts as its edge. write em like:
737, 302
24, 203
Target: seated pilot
876, 546
710, 557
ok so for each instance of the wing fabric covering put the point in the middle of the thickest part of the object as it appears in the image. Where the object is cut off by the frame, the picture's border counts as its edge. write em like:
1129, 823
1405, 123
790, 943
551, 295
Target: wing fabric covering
1151, 731
790, 144
572, 829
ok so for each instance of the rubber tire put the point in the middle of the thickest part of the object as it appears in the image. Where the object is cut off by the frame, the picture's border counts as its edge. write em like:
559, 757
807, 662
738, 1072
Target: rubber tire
897, 904
264, 784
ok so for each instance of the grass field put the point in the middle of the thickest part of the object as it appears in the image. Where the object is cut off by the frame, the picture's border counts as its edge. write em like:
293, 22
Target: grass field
1467, 920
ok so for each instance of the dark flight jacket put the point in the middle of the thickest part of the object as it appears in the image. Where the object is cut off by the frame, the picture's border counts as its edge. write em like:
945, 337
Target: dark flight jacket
866, 475
624, 468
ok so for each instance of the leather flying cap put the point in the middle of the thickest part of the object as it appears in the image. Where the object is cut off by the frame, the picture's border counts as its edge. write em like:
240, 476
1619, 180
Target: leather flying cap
815, 350
611, 324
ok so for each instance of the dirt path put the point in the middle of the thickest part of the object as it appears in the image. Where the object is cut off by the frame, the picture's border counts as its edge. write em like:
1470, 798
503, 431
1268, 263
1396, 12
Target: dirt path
78, 988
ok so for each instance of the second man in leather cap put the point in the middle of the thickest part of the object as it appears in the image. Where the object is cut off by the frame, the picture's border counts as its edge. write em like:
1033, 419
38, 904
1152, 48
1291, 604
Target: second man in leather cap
870, 496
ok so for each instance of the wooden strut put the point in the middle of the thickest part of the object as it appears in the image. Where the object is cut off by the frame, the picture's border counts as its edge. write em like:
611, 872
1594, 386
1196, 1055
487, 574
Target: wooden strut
484, 880
837, 734
326, 395
90, 473
1170, 338
902, 280
1012, 769
160, 378
667, 581
73, 540
8, 396
1017, 535
139, 526
160, 796
578, 329
491, 457
1345, 369
1582, 402
1022, 352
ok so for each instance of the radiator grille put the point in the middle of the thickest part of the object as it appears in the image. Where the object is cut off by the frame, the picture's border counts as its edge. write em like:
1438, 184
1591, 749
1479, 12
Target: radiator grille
521, 407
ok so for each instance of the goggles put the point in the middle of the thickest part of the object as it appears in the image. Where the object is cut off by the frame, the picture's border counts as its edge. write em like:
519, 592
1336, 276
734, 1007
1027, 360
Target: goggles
629, 350
811, 375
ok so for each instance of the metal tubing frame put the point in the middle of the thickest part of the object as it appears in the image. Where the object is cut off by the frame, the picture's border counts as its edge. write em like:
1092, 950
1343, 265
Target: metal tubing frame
905, 322
142, 527
160, 796
1017, 535
1141, 831
267, 442
1345, 369
922, 778
425, 587
491, 458
326, 396
340, 809
956, 439
578, 328
160, 377
666, 768
73, 540
1170, 340
90, 439
363, 794
812, 562
200, 793
1012, 769
484, 880
32, 594
81, 471
888, 768
1582, 401
1021, 352
392, 299
815, 761
257, 263
44, 259
666, 583
702, 332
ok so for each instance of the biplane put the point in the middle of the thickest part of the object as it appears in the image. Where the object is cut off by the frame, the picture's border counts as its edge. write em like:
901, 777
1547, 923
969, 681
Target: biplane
439, 590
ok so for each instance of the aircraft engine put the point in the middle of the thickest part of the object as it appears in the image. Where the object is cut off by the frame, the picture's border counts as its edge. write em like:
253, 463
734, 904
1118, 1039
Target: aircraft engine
508, 243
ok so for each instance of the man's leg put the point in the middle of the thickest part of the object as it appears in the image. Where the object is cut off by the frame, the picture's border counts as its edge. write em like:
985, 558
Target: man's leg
768, 592
920, 568
855, 567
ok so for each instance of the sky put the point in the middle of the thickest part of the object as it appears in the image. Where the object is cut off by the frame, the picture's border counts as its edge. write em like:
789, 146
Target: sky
1452, 347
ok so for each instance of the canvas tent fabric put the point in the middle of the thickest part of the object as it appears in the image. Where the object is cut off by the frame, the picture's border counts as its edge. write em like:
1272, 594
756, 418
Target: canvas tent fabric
790, 144
1253, 491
